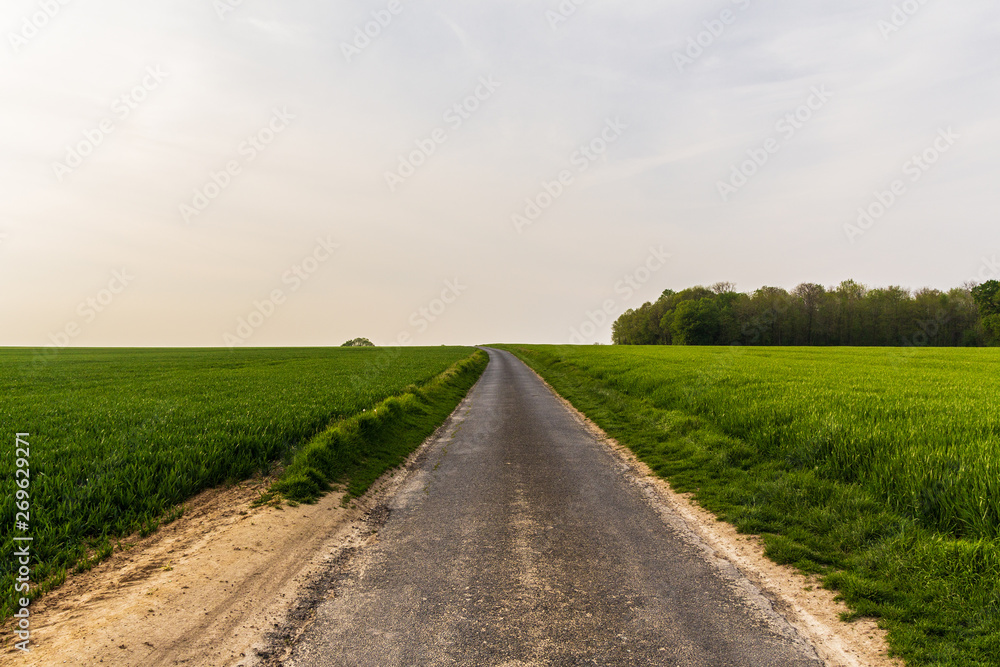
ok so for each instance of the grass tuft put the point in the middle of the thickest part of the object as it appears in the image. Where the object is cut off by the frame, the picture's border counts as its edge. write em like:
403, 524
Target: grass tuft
358, 450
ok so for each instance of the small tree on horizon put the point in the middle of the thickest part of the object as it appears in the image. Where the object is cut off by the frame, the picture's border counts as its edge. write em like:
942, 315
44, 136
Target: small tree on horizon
359, 342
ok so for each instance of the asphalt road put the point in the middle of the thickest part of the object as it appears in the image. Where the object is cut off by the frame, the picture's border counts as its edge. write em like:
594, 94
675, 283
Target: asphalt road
521, 540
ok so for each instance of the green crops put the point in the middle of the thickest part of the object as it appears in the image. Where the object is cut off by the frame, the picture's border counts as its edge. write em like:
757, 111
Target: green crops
919, 428
119, 437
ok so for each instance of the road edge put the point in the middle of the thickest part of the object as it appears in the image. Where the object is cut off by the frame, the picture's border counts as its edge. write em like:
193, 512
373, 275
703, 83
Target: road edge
278, 644
815, 617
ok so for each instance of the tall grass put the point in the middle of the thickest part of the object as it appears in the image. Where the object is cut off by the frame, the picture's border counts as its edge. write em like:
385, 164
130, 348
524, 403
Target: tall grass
921, 431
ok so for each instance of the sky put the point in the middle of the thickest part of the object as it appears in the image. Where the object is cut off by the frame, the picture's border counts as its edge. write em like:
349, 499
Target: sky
247, 173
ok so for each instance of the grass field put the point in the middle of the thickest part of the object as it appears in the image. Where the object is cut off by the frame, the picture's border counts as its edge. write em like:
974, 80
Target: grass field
120, 437
878, 468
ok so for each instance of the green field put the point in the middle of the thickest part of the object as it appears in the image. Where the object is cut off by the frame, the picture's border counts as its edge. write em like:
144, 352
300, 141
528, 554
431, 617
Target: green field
120, 437
877, 468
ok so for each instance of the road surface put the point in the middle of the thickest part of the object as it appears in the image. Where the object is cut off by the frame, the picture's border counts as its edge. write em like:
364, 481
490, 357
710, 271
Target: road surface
520, 540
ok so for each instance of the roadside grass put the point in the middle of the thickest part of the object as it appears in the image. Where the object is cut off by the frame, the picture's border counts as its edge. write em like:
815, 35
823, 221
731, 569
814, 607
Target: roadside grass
875, 471
356, 451
121, 437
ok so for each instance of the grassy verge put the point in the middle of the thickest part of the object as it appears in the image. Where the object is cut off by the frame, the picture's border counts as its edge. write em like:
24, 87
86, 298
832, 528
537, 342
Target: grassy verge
357, 450
937, 593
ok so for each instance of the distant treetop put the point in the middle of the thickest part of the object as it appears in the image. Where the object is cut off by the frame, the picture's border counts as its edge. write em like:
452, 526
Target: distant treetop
359, 342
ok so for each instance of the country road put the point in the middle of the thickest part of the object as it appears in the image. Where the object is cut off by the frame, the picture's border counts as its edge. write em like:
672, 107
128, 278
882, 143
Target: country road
520, 540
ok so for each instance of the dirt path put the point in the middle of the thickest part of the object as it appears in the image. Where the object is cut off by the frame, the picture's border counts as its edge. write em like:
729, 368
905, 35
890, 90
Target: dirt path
203, 590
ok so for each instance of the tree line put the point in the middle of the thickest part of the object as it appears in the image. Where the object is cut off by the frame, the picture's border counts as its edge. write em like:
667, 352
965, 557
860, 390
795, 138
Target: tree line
811, 314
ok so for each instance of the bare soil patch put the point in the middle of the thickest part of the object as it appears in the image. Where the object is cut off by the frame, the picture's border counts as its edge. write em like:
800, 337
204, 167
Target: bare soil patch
203, 590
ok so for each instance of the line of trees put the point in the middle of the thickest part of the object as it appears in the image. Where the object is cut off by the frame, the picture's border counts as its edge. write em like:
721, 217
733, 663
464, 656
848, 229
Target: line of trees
849, 314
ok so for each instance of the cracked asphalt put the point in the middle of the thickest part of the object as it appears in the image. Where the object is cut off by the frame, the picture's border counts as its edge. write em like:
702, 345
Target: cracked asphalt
519, 539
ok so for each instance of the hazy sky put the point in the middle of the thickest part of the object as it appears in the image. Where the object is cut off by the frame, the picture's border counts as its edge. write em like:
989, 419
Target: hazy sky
515, 169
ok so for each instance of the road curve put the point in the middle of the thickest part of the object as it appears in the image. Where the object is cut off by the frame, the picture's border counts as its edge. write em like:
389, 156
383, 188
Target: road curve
520, 540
